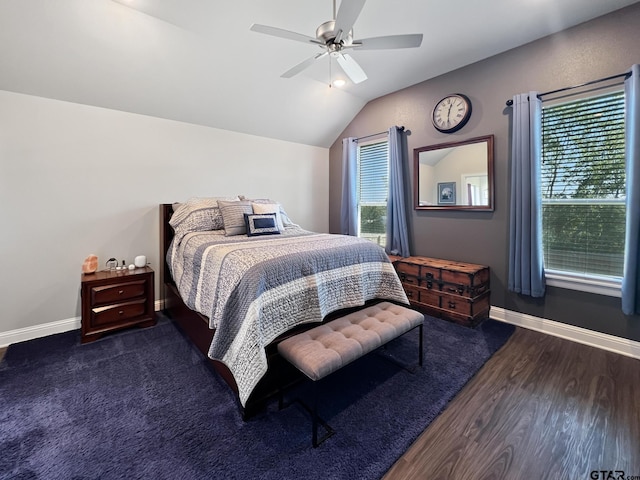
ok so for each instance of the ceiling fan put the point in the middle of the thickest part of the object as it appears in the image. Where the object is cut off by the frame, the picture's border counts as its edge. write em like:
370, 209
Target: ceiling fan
335, 36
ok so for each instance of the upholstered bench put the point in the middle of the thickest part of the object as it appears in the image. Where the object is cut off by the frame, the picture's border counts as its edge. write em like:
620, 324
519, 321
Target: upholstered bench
328, 347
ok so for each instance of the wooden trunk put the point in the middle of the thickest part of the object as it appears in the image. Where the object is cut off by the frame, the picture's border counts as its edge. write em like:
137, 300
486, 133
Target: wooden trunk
454, 291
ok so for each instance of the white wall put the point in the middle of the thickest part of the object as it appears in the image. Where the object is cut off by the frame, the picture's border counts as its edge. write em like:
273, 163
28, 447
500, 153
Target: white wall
76, 180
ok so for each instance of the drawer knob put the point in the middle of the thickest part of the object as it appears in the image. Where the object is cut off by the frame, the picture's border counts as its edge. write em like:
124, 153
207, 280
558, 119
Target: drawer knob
409, 294
452, 305
120, 292
121, 312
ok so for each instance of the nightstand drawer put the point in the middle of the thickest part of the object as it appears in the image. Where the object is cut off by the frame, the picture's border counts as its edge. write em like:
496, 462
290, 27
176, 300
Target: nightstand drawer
117, 292
118, 313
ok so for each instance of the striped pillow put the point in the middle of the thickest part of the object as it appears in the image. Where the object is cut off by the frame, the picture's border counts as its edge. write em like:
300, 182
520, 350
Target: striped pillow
233, 216
197, 214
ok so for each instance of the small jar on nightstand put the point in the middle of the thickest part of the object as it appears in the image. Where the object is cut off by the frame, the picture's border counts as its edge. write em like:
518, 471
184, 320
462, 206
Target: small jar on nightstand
112, 300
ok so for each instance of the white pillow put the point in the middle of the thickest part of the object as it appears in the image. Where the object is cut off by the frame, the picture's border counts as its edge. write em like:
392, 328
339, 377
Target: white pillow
286, 221
261, 208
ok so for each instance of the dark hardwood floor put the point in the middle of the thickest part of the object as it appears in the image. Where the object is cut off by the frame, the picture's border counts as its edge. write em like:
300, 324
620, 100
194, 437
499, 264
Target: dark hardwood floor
541, 408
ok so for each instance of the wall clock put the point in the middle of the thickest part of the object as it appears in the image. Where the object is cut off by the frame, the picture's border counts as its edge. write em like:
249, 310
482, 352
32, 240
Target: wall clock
451, 113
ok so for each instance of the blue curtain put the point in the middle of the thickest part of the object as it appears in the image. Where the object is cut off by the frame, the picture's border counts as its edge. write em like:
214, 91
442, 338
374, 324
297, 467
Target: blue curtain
526, 262
349, 207
631, 276
397, 230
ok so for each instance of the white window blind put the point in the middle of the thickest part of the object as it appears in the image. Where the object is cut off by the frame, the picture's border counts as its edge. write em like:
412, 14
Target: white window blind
373, 191
583, 186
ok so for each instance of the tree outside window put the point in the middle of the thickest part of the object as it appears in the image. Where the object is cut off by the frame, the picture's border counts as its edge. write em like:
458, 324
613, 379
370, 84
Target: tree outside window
583, 186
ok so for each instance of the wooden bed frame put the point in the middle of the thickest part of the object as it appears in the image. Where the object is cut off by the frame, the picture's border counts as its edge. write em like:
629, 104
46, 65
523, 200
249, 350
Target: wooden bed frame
196, 328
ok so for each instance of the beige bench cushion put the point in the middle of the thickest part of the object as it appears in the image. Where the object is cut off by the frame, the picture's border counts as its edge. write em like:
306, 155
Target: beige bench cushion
328, 347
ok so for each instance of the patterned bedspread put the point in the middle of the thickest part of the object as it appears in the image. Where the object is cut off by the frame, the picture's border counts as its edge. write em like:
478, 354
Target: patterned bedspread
253, 289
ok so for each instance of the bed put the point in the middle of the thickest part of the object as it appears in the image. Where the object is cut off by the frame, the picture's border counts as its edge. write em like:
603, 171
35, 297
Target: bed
236, 295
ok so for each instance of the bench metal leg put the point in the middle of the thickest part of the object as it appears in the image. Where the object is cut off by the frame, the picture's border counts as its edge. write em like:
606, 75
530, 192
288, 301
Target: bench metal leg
312, 410
413, 368
420, 354
317, 420
314, 414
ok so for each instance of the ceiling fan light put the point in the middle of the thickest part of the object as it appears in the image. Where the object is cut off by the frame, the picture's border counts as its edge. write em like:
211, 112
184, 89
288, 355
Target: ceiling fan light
339, 82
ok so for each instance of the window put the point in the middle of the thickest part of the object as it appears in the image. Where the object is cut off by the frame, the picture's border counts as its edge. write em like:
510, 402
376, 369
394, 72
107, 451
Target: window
583, 189
373, 191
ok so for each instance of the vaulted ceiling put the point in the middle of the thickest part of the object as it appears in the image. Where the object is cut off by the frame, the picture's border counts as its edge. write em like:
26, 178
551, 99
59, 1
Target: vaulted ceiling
197, 61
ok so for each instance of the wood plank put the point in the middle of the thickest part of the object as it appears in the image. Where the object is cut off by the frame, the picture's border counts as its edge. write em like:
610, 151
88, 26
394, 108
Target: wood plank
542, 407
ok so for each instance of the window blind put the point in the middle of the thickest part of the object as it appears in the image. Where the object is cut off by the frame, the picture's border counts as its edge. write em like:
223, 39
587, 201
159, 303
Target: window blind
374, 173
583, 185
373, 191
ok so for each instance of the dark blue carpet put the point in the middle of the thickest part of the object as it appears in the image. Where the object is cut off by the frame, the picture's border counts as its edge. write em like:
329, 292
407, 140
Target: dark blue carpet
143, 404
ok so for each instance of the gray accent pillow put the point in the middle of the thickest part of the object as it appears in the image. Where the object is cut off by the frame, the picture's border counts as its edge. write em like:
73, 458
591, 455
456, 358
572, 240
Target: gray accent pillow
197, 215
233, 216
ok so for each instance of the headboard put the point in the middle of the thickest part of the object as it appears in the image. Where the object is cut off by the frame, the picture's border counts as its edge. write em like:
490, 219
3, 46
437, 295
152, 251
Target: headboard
173, 304
166, 235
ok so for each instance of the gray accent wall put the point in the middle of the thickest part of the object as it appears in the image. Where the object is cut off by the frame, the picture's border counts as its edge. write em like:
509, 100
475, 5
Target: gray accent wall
605, 46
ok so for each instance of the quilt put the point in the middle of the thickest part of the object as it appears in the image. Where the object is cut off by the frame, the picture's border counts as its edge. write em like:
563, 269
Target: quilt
253, 289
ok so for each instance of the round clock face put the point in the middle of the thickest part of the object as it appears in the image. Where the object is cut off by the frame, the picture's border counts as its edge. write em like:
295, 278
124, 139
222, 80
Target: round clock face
451, 113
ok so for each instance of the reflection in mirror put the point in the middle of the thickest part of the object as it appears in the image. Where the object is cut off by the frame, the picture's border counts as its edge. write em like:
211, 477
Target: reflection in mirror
454, 176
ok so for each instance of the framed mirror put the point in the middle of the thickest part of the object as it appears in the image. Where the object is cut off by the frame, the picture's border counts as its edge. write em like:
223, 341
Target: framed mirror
454, 176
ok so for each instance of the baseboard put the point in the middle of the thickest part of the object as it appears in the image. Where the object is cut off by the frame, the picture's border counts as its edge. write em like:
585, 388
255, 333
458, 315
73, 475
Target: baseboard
604, 341
45, 329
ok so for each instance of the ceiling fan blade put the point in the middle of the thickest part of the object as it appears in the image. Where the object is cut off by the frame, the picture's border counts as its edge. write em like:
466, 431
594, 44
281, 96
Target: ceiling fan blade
279, 32
391, 41
351, 68
347, 15
301, 66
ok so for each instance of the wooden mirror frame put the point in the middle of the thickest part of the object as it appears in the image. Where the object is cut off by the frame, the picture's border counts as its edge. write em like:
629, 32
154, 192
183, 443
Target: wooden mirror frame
416, 175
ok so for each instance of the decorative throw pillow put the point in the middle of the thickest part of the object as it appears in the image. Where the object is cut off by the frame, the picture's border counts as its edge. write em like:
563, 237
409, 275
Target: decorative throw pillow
233, 216
197, 215
286, 221
261, 224
269, 208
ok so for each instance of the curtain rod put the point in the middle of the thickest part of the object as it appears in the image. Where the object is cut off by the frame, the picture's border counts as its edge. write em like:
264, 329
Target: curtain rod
376, 134
612, 77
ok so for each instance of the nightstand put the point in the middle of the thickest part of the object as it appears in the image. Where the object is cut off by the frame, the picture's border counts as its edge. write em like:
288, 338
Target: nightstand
112, 300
